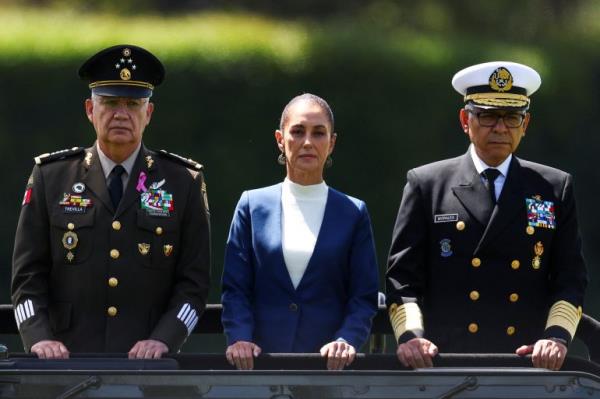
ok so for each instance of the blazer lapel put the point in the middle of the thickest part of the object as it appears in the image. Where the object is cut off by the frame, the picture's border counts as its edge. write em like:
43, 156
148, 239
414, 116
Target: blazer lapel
471, 192
143, 163
93, 177
271, 233
324, 231
509, 204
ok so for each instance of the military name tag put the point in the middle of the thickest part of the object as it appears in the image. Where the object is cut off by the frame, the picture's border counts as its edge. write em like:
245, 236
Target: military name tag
75, 203
445, 218
540, 213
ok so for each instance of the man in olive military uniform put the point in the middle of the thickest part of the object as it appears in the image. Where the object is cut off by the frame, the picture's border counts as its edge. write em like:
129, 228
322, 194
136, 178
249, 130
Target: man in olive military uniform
112, 246
486, 253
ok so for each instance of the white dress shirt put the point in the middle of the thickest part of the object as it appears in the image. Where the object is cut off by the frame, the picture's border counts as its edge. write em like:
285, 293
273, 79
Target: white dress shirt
502, 168
108, 164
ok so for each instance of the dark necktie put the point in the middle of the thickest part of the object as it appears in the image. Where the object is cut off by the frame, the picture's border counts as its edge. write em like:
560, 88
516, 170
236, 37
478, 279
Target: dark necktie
491, 175
115, 185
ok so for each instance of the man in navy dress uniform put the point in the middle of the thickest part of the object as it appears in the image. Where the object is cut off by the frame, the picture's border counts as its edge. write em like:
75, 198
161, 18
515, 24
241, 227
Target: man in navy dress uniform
486, 253
112, 246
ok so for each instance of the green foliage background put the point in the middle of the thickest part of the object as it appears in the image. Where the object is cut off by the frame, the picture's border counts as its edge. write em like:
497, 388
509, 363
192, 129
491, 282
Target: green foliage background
384, 66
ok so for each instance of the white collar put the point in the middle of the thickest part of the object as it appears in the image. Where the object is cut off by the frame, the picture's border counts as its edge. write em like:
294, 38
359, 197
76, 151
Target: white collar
311, 191
108, 164
481, 166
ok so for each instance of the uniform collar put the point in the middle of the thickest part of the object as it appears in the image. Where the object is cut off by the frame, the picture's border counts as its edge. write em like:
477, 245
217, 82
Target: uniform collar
481, 166
108, 164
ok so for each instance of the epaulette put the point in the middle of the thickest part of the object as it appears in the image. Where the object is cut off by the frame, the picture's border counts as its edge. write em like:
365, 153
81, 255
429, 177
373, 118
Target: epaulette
62, 154
187, 162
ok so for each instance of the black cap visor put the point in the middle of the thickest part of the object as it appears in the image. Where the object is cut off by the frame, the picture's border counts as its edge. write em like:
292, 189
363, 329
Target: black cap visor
122, 91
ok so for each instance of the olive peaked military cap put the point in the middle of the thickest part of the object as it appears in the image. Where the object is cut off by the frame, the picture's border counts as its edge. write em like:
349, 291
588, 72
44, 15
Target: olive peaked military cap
498, 84
124, 71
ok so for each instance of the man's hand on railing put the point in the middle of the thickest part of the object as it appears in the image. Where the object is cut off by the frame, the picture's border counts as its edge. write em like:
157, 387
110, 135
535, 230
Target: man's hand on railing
148, 349
48, 349
546, 353
417, 353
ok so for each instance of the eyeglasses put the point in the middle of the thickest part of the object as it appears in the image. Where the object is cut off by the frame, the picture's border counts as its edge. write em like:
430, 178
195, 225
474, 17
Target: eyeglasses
490, 119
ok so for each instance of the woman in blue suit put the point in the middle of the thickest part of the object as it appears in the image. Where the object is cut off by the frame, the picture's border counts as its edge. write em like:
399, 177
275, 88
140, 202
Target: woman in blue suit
300, 271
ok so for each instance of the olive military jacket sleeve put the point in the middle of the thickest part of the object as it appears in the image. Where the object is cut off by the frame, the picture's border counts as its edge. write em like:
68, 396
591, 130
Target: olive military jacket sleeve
484, 278
99, 279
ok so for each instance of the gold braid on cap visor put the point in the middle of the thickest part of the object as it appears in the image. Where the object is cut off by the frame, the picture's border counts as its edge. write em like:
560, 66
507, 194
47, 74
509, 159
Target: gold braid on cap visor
135, 83
499, 99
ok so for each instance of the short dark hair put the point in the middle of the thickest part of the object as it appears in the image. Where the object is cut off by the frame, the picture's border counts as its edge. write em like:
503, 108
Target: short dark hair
308, 97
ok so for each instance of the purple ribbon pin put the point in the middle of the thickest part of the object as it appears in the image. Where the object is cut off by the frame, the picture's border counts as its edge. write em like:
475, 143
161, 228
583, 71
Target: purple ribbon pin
141, 188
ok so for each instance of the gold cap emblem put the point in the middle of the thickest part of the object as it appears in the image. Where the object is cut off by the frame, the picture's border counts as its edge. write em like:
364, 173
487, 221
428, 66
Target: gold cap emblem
501, 80
168, 249
125, 74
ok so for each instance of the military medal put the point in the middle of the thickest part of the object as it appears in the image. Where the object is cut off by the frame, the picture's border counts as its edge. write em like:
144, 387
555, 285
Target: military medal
75, 203
538, 249
157, 202
70, 241
78, 188
446, 248
157, 184
143, 248
540, 213
168, 249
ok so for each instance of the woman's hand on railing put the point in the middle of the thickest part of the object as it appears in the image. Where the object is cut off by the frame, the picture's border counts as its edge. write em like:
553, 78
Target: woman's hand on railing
241, 354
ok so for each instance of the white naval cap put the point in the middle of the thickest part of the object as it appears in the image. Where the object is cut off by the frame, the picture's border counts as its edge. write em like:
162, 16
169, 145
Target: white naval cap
497, 84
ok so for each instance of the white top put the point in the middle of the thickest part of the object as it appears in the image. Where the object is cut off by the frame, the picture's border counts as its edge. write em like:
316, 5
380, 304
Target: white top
502, 168
302, 213
108, 164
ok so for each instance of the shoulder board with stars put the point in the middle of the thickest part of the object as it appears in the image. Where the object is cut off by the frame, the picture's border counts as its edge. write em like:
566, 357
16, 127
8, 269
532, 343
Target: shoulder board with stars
56, 155
187, 162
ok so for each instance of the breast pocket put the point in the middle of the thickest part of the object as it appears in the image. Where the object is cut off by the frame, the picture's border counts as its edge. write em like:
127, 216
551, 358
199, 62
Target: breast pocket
158, 243
72, 236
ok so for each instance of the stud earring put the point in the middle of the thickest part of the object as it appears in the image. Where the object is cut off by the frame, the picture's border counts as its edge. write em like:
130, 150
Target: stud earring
281, 159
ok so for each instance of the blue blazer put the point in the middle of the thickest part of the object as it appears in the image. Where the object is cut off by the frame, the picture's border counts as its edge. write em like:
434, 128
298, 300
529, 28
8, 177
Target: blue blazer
337, 296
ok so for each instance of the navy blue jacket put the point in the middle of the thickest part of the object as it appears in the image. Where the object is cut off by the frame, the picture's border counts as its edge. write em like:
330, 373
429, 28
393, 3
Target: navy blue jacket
337, 296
